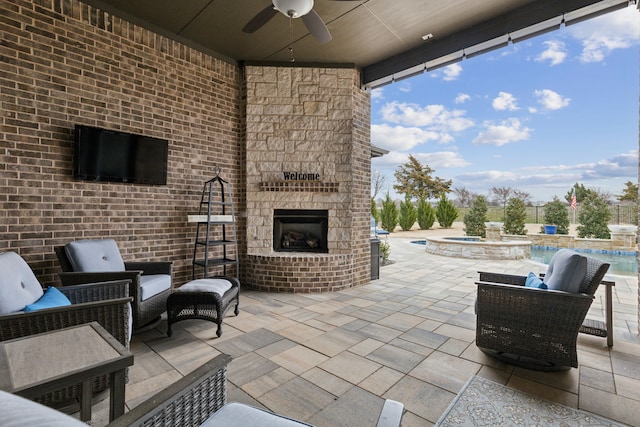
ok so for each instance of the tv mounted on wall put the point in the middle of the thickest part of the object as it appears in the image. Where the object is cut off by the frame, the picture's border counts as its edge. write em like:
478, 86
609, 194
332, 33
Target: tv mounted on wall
113, 156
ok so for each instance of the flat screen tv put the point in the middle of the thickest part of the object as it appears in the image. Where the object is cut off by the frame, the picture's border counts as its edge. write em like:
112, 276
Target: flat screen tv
113, 156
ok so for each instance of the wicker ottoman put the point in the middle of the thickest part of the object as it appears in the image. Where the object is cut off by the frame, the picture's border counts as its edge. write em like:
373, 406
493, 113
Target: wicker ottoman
206, 299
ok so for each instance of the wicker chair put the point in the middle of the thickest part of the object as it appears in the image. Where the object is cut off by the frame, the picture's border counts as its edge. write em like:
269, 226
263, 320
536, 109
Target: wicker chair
533, 328
146, 310
106, 303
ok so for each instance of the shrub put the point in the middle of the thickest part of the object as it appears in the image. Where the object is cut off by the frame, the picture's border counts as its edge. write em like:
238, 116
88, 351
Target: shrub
476, 217
389, 215
555, 213
426, 215
374, 210
408, 214
594, 218
385, 250
446, 213
515, 217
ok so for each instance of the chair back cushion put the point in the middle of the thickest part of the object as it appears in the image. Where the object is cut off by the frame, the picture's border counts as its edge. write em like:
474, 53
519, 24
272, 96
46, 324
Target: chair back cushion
18, 285
566, 271
93, 256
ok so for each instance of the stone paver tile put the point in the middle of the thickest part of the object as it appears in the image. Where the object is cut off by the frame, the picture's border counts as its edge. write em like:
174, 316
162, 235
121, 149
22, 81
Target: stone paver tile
137, 392
300, 332
368, 315
618, 408
424, 337
627, 387
146, 365
267, 382
454, 347
400, 321
350, 367
248, 342
244, 369
326, 307
336, 319
395, 358
298, 359
380, 333
357, 407
599, 360
334, 342
410, 419
563, 380
366, 346
421, 398
318, 324
412, 347
625, 364
298, 399
381, 380
275, 348
463, 334
325, 380
597, 379
445, 371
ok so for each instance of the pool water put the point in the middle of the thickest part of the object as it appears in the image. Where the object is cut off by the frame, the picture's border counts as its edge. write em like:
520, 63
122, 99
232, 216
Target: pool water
622, 262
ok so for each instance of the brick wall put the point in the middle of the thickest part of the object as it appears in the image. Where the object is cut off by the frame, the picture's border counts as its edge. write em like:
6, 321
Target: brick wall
63, 63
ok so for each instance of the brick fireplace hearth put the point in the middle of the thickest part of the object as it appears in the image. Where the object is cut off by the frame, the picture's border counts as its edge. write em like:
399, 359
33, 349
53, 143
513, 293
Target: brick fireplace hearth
308, 151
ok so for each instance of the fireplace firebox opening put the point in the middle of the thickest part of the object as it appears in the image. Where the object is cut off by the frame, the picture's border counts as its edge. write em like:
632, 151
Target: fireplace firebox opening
300, 230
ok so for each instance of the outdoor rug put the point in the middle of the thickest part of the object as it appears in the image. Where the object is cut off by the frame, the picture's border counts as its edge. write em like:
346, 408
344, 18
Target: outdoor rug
482, 402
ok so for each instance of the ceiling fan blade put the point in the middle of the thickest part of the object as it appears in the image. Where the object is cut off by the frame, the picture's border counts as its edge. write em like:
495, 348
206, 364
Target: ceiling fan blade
260, 19
316, 27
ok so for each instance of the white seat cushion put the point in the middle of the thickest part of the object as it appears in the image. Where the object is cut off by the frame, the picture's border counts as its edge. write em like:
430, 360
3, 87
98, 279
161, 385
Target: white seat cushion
18, 284
16, 411
153, 284
219, 286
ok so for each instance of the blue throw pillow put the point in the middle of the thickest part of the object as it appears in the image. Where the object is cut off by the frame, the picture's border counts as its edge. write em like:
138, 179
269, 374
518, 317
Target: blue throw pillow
51, 298
534, 281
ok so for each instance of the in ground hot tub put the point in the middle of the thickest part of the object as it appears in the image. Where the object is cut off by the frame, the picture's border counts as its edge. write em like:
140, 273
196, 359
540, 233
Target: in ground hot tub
477, 248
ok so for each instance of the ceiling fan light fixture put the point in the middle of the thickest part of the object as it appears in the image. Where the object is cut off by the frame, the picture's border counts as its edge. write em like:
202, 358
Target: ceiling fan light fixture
293, 8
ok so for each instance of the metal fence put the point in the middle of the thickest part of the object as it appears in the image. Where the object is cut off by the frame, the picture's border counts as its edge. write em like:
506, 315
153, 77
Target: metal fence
620, 214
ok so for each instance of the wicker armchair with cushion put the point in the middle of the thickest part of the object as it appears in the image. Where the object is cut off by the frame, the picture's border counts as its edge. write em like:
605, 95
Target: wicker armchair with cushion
86, 261
197, 399
106, 303
528, 322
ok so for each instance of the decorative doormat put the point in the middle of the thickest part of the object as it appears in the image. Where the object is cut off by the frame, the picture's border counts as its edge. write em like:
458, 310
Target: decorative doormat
482, 402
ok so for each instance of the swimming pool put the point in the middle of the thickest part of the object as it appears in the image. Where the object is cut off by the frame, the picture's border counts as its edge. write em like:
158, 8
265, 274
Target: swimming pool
622, 262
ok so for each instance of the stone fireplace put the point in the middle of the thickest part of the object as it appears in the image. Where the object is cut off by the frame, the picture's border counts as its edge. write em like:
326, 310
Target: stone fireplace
308, 179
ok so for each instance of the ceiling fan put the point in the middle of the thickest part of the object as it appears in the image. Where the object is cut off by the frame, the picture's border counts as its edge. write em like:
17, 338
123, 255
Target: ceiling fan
293, 9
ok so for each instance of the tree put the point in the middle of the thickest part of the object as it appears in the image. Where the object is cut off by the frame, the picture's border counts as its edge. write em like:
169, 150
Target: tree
374, 210
426, 215
389, 215
415, 180
515, 217
446, 213
465, 197
524, 196
501, 195
555, 213
378, 181
582, 193
476, 217
630, 193
408, 214
594, 218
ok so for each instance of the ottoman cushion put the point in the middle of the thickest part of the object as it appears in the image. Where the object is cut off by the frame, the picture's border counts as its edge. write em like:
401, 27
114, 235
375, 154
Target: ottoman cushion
218, 286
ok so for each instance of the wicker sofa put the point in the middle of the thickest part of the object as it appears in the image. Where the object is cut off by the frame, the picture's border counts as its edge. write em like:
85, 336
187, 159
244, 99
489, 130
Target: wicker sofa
107, 303
536, 328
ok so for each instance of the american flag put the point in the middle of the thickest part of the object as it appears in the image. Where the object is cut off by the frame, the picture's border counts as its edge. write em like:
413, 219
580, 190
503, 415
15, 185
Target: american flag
573, 199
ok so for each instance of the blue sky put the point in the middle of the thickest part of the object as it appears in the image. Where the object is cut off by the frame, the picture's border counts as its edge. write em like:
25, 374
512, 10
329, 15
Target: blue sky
536, 116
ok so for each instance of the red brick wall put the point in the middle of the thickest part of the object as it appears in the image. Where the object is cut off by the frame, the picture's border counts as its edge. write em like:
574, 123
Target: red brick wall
64, 63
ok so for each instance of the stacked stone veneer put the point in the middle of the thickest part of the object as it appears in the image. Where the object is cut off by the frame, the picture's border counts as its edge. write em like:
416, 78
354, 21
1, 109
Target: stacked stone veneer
313, 121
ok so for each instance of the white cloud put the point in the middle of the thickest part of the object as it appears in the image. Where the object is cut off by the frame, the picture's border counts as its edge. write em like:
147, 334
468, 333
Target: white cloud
555, 52
452, 72
434, 117
462, 98
601, 35
405, 87
502, 133
400, 138
436, 160
551, 100
505, 101
377, 93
